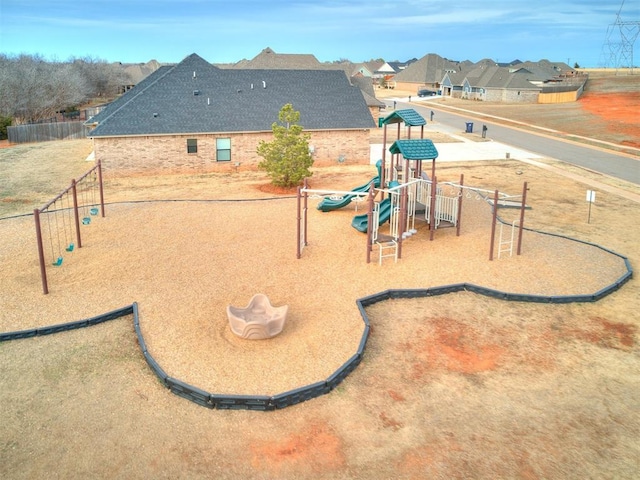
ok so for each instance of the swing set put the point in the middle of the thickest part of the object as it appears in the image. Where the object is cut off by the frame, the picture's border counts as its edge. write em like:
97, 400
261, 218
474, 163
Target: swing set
60, 218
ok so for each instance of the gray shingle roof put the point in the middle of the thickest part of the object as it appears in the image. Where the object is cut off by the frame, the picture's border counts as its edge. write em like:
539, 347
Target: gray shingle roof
268, 59
499, 77
415, 149
197, 97
429, 69
366, 85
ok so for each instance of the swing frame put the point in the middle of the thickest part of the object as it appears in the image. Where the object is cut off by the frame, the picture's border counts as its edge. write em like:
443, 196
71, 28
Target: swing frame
50, 208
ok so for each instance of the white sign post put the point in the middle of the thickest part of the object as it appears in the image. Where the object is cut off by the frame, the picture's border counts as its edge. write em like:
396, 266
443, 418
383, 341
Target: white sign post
591, 198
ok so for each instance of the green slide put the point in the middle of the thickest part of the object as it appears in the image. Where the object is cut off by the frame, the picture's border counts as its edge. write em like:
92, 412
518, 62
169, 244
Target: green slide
361, 222
327, 204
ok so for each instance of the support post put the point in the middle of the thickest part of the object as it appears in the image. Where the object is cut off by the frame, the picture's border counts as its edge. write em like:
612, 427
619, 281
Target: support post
402, 224
43, 268
521, 225
298, 232
432, 208
460, 194
369, 224
101, 188
305, 211
493, 224
384, 151
76, 213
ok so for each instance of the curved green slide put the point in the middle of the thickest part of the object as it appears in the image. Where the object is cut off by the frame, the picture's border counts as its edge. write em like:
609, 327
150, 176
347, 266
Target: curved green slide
361, 222
327, 204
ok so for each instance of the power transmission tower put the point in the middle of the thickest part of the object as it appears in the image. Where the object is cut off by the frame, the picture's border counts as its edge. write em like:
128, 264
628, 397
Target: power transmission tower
618, 51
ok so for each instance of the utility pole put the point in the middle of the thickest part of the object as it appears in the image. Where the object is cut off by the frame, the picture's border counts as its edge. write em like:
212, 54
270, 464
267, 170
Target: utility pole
620, 52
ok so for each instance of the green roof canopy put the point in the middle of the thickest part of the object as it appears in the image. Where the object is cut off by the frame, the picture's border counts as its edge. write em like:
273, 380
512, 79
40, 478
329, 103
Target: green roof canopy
415, 149
409, 116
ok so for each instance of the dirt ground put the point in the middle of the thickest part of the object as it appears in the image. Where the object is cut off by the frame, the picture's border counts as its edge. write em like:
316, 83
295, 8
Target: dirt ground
457, 386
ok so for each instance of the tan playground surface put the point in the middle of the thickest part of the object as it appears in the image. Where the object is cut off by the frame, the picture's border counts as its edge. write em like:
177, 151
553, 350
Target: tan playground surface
457, 386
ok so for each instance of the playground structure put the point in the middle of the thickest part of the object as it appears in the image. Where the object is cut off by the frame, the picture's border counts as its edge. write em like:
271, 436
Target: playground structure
258, 320
62, 216
406, 194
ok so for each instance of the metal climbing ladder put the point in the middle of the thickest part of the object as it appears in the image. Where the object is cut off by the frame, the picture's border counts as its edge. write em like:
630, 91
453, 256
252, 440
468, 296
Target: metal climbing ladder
507, 245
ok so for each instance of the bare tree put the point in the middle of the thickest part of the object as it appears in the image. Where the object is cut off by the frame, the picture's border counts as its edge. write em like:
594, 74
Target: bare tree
104, 79
32, 89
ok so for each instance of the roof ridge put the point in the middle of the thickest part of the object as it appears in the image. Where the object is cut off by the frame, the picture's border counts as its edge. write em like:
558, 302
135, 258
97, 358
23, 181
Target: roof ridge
137, 94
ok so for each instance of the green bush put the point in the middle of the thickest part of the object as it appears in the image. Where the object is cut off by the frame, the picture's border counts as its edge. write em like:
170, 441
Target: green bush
4, 123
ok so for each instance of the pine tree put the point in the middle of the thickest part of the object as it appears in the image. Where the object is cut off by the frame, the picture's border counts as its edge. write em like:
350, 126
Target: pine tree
287, 159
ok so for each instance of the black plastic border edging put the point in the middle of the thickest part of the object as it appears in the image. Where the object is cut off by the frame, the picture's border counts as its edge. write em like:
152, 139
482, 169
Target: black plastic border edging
307, 392
63, 327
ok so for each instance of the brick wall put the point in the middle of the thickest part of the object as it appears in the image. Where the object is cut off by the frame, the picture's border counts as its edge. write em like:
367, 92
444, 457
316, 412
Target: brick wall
155, 154
512, 96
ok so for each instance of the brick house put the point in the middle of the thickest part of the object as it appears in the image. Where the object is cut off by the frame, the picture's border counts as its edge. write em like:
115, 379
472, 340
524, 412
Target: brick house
194, 116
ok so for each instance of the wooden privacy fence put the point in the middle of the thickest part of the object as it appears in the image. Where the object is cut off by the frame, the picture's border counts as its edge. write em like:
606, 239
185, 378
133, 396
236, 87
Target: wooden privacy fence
43, 132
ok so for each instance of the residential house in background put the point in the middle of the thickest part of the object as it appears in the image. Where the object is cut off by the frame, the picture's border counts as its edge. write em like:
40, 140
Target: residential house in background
137, 72
366, 69
525, 82
493, 83
194, 116
269, 59
385, 75
426, 72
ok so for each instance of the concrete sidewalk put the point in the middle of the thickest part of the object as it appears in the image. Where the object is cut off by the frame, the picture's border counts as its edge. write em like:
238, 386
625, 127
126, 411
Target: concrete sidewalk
463, 149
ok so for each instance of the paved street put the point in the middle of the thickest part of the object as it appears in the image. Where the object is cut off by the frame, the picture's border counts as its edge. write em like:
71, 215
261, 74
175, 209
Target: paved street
519, 144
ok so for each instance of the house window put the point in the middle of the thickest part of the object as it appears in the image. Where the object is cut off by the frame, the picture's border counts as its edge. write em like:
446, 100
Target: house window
192, 145
223, 149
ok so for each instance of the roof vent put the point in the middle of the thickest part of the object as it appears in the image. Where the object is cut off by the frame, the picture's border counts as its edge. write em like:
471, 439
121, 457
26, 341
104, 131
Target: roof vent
196, 92
264, 84
155, 115
194, 74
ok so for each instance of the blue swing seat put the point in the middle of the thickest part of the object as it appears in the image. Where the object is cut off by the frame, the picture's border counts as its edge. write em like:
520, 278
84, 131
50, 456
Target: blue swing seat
70, 247
58, 262
94, 211
86, 220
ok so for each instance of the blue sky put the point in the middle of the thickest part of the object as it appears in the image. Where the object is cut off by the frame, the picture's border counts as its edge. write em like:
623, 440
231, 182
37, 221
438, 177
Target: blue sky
230, 30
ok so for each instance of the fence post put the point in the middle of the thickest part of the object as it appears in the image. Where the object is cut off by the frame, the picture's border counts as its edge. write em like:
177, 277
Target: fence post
43, 268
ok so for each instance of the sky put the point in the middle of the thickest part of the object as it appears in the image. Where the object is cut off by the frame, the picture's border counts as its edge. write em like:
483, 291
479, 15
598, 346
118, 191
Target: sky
572, 31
